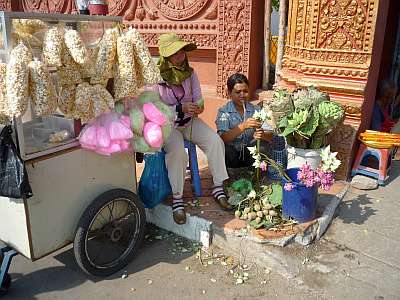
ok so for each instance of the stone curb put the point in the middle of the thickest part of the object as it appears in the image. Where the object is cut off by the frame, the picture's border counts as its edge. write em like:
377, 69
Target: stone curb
266, 252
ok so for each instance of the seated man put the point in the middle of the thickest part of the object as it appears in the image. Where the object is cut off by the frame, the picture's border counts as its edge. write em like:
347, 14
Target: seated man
236, 126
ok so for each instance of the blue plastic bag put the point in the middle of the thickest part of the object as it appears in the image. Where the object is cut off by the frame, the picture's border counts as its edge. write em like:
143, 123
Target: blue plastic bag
154, 184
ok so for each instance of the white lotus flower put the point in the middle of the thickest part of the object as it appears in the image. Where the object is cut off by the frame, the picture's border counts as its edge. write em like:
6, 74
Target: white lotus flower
256, 163
252, 150
329, 162
262, 115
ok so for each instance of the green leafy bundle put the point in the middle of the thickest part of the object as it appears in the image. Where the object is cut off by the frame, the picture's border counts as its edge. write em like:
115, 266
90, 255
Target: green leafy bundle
312, 118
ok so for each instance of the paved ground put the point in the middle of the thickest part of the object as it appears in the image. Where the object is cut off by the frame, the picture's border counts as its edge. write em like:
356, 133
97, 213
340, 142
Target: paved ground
358, 258
156, 273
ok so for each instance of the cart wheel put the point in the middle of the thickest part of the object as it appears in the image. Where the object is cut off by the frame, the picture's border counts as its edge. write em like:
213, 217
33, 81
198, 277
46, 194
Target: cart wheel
5, 285
109, 232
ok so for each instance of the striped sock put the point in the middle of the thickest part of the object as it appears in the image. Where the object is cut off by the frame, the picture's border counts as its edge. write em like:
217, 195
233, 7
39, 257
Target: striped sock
177, 203
218, 192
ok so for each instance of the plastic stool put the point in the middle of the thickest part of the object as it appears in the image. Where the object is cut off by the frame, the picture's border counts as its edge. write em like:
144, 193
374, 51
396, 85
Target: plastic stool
379, 172
194, 168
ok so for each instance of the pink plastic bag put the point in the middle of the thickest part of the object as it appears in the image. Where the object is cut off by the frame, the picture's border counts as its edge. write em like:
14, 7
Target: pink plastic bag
153, 135
118, 131
89, 136
126, 121
153, 114
103, 138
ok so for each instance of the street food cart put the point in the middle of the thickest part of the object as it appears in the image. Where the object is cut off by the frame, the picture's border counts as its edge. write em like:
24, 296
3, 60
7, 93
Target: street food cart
79, 197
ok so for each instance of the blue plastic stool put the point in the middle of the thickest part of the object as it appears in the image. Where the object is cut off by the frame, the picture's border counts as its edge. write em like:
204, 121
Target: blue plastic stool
194, 168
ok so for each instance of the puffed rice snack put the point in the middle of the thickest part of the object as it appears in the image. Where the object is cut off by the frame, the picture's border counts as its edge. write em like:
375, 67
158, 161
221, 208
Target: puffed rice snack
17, 80
105, 57
28, 39
4, 113
41, 89
17, 87
66, 100
53, 45
102, 100
84, 102
147, 71
75, 46
28, 25
21, 53
125, 81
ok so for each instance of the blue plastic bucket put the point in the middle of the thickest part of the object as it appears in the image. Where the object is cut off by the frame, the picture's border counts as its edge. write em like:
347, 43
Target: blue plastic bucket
300, 203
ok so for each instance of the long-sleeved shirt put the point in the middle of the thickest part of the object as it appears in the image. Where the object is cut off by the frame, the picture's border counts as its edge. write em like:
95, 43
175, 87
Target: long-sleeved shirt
188, 91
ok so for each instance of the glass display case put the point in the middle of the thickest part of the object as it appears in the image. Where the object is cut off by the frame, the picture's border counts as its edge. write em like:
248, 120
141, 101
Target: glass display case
39, 136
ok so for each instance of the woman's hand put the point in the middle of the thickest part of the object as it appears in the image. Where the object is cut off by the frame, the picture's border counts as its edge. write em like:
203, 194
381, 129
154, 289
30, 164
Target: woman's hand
190, 108
250, 123
260, 134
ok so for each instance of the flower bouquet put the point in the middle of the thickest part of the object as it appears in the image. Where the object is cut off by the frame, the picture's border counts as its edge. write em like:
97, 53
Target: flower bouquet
300, 186
267, 205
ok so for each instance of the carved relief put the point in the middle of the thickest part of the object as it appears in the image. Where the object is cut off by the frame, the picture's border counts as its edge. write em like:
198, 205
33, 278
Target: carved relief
168, 10
52, 6
335, 41
212, 13
5, 4
233, 40
342, 25
180, 9
116, 7
201, 40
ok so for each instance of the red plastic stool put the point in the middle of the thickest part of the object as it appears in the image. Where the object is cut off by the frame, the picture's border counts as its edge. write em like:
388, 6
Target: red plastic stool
373, 162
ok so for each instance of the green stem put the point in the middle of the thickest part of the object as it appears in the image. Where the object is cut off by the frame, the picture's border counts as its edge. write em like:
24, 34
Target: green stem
258, 169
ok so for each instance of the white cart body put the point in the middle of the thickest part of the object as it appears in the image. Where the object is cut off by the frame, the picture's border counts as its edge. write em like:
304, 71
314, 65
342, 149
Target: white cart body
63, 185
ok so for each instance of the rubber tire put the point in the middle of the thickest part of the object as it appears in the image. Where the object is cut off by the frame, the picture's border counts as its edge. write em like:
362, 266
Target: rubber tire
6, 285
84, 223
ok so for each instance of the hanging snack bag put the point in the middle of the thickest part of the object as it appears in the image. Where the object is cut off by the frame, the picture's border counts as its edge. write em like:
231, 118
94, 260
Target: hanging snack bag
17, 80
53, 45
84, 102
75, 46
28, 25
125, 81
4, 111
147, 71
41, 89
102, 69
103, 101
66, 100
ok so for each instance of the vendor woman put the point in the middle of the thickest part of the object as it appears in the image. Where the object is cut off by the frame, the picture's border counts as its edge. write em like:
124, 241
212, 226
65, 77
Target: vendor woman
180, 89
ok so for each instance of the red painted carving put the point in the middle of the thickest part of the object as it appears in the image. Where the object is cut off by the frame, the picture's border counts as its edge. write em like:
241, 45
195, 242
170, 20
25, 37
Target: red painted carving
180, 9
116, 7
5, 4
233, 40
51, 6
212, 13
203, 41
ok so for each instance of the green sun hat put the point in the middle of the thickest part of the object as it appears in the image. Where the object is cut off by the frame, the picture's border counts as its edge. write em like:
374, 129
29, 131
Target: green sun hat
170, 43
